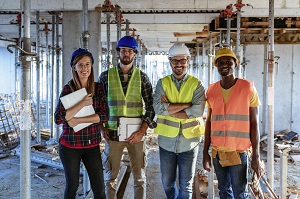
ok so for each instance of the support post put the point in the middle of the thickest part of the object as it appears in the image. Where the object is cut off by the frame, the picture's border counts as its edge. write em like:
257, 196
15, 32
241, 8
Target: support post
38, 93
25, 114
270, 155
283, 171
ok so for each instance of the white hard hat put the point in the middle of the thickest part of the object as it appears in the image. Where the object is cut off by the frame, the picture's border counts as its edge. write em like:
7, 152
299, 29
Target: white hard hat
179, 50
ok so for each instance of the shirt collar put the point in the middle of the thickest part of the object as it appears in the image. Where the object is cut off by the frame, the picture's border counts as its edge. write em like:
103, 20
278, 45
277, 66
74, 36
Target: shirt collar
121, 72
182, 80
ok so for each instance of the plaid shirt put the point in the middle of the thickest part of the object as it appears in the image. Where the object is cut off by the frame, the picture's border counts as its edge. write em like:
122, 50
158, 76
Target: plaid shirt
147, 93
89, 136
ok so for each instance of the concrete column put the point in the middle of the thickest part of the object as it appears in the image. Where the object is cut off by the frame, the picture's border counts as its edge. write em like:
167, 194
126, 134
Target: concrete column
71, 36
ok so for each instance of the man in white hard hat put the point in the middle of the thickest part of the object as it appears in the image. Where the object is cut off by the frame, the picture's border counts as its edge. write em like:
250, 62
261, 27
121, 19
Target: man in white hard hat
179, 102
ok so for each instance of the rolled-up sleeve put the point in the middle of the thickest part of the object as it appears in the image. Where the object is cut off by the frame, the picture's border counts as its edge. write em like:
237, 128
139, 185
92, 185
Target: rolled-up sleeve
198, 101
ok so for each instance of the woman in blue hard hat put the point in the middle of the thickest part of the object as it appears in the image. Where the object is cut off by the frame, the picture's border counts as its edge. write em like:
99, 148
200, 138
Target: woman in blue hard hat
127, 87
83, 145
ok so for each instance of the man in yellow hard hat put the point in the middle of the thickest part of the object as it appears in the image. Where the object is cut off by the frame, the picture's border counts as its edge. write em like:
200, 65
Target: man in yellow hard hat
232, 128
179, 102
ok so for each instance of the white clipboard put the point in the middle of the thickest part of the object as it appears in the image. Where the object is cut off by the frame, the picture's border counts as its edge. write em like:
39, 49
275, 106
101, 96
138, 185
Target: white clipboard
127, 126
73, 98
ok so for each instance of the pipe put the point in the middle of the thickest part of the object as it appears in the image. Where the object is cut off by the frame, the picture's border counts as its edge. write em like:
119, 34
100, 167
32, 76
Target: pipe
99, 45
203, 63
48, 80
238, 43
210, 60
127, 27
221, 39
118, 23
198, 60
270, 155
228, 31
108, 39
25, 114
85, 35
38, 82
52, 91
58, 71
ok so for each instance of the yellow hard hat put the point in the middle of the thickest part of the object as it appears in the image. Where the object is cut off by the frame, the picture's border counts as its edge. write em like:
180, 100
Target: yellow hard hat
225, 52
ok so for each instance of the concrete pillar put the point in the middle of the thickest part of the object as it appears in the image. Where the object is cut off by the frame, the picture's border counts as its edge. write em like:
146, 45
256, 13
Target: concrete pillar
71, 36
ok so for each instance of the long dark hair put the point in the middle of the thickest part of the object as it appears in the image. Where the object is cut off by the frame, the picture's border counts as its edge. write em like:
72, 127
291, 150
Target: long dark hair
74, 83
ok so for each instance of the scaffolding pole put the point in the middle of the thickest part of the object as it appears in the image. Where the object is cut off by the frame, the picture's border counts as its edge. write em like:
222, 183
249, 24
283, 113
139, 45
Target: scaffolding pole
85, 35
203, 63
210, 60
270, 156
25, 115
238, 44
48, 84
108, 39
127, 27
53, 80
38, 77
58, 71
100, 69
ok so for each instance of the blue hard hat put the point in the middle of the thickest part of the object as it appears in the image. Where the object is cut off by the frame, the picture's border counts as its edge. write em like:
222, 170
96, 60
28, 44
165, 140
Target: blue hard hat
129, 42
80, 51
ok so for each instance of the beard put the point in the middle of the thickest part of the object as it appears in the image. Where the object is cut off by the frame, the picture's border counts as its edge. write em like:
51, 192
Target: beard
179, 70
126, 60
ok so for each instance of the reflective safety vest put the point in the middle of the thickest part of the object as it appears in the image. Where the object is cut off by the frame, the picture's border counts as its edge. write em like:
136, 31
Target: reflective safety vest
169, 126
120, 105
230, 123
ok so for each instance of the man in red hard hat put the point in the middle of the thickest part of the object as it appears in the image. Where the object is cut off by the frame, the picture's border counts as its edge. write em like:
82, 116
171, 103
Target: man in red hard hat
231, 128
127, 88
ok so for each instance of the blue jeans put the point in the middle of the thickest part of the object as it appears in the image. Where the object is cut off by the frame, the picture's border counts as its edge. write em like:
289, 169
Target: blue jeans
91, 158
232, 180
186, 163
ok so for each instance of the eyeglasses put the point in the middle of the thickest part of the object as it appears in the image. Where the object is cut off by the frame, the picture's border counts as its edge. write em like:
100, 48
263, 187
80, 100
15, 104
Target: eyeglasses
130, 51
176, 61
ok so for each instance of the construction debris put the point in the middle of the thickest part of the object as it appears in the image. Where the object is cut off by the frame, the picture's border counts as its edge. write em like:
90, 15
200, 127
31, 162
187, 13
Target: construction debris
9, 122
284, 139
39, 177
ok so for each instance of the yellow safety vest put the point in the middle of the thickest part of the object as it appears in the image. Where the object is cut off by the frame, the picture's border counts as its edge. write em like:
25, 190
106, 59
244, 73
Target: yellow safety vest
120, 105
169, 126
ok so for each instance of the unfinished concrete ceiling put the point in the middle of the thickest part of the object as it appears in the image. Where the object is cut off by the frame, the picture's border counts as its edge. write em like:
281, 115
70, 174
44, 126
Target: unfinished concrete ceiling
158, 23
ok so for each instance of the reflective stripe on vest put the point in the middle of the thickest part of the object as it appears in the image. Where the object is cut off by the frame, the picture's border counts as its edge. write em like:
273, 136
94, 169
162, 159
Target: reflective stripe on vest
120, 105
169, 126
230, 124
230, 117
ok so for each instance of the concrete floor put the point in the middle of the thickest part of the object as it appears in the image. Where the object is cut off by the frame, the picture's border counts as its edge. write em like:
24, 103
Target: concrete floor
48, 182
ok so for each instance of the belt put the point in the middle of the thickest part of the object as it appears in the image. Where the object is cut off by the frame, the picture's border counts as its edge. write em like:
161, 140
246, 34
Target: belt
113, 135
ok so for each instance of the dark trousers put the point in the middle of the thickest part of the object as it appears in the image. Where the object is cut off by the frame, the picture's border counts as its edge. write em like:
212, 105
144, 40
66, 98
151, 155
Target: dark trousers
92, 161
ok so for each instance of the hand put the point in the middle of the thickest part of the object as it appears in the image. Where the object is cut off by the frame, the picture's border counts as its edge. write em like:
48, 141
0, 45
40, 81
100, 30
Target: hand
88, 100
135, 137
73, 122
164, 99
258, 166
105, 133
206, 162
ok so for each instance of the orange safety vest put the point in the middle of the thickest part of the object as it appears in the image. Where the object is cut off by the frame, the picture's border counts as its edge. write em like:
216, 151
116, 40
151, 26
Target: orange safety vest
230, 123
